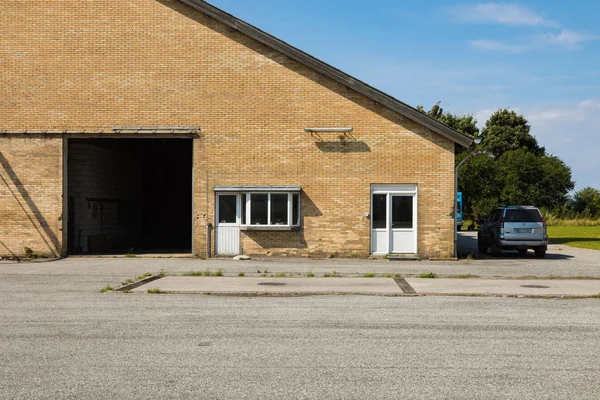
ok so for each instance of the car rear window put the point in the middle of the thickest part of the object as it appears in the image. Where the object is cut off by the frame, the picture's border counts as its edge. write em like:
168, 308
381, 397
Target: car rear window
523, 216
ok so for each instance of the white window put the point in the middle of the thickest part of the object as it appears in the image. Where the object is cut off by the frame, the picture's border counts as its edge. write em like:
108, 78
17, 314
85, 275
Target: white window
260, 207
271, 209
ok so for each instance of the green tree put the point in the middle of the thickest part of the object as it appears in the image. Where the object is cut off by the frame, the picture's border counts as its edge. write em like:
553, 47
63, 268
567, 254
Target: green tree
466, 124
506, 131
510, 167
530, 179
586, 202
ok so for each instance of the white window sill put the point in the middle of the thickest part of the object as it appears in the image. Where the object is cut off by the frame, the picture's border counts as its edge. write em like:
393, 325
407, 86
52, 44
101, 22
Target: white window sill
269, 228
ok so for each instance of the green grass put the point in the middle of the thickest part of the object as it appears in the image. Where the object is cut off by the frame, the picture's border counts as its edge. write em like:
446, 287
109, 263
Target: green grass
428, 275
193, 273
106, 288
587, 237
206, 272
146, 275
573, 222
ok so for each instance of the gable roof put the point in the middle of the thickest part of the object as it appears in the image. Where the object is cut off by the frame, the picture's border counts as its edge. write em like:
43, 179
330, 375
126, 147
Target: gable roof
330, 71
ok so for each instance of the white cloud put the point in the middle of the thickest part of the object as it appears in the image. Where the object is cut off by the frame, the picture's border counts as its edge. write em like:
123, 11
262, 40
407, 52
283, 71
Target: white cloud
500, 13
571, 132
565, 39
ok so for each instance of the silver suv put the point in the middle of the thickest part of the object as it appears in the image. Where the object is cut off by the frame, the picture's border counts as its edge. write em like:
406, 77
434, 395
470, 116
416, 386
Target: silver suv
513, 228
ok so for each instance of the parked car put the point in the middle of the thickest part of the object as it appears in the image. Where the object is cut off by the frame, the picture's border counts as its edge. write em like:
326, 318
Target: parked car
513, 228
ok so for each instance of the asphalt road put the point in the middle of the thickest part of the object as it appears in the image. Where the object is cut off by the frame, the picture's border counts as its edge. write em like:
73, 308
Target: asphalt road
60, 338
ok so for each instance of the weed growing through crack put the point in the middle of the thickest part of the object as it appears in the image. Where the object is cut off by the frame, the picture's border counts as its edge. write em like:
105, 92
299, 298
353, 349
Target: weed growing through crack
263, 275
241, 274
281, 275
428, 275
106, 288
127, 282
127, 291
465, 276
309, 275
146, 275
193, 273
218, 273
333, 274
155, 291
369, 275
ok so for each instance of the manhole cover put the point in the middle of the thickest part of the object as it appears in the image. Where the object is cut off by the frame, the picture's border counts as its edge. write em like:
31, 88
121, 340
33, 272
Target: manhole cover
536, 286
272, 283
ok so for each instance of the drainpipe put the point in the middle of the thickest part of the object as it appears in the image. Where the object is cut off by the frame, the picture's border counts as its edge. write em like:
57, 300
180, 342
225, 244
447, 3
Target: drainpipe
209, 228
464, 160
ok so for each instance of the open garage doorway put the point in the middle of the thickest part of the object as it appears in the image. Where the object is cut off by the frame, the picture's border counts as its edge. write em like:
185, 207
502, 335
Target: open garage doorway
129, 196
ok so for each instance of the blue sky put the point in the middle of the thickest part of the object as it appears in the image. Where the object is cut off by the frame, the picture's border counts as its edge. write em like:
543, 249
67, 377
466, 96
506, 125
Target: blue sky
540, 58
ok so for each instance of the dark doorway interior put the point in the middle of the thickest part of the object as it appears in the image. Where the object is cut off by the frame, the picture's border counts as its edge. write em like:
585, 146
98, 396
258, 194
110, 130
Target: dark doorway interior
129, 196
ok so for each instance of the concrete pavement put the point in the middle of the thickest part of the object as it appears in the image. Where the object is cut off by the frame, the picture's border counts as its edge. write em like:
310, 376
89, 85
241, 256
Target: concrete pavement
61, 338
246, 286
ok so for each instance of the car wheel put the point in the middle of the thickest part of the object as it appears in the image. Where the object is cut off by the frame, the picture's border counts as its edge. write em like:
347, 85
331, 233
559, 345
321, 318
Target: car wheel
522, 252
540, 253
496, 251
482, 248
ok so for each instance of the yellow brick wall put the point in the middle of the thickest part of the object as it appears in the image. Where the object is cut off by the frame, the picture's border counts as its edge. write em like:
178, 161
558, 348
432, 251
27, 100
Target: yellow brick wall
91, 65
30, 195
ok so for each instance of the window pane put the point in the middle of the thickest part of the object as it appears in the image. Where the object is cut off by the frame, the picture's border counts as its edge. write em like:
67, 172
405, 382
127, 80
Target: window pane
402, 212
296, 208
227, 211
258, 209
244, 209
279, 209
379, 216
527, 215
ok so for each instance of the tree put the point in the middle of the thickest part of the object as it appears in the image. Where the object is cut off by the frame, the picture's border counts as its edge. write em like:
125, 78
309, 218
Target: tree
530, 179
466, 124
506, 131
586, 202
510, 166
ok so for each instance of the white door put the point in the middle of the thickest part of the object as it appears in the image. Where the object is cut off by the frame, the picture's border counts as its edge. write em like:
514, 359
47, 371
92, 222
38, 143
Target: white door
227, 230
394, 219
402, 227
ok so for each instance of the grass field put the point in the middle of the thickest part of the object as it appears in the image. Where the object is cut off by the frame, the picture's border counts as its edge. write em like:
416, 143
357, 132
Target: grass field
587, 237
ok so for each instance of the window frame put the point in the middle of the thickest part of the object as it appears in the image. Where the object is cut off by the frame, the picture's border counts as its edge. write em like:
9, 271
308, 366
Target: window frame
246, 210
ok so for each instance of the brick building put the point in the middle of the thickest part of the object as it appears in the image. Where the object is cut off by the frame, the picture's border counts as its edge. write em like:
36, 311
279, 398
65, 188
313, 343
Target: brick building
138, 123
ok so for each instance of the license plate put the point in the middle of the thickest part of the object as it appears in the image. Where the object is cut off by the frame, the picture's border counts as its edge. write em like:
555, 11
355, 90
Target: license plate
523, 230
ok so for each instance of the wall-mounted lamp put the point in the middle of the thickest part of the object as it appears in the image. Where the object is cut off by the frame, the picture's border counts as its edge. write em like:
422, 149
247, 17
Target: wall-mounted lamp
338, 130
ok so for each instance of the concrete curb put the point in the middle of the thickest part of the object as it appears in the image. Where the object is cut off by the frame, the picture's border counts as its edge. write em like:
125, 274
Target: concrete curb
137, 284
306, 294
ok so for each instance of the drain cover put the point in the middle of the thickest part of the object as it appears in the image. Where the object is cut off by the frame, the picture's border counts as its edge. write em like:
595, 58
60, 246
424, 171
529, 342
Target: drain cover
536, 286
272, 283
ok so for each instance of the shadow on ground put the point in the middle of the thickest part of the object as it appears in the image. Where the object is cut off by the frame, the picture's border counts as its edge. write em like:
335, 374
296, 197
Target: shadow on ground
467, 245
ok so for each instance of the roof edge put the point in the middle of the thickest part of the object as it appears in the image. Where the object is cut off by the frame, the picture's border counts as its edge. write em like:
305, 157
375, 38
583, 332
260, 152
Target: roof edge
331, 72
